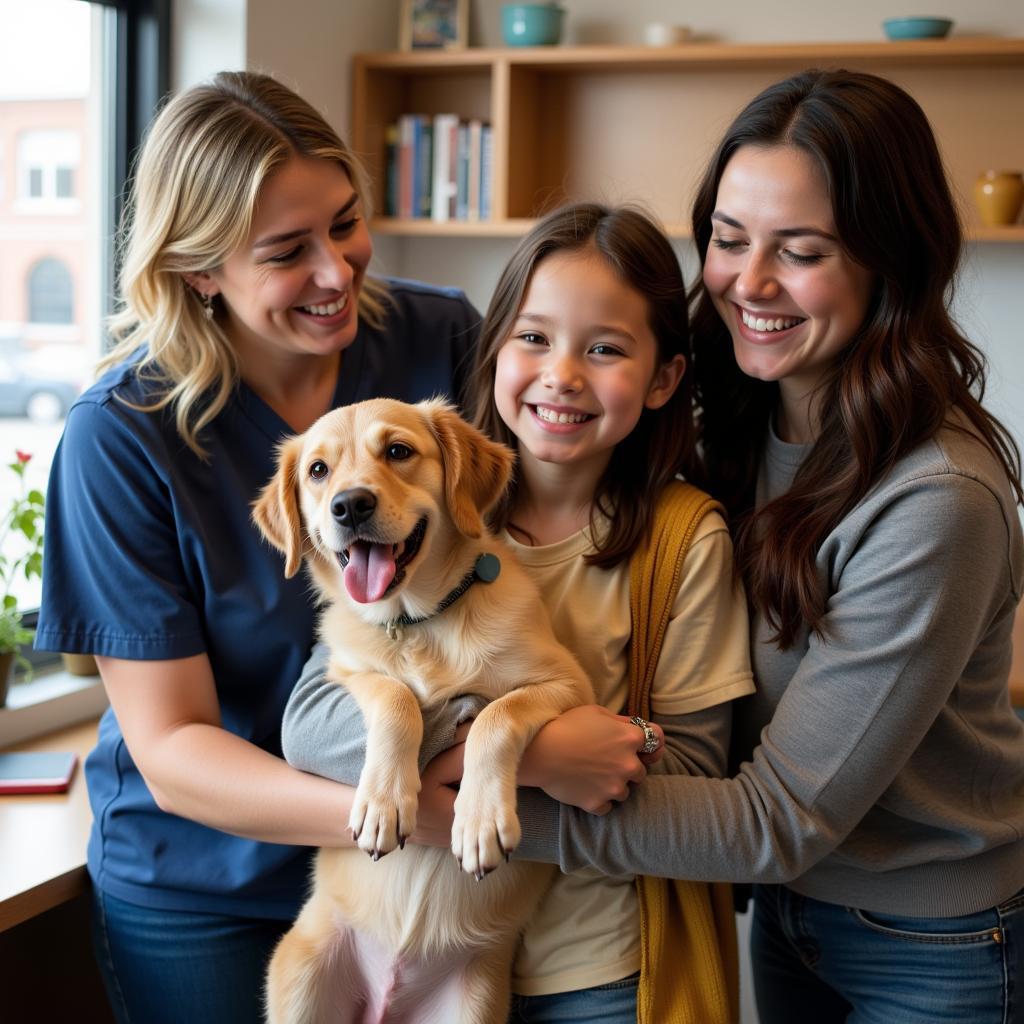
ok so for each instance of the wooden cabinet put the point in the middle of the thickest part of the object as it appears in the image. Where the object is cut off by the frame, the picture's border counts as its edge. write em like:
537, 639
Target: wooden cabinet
631, 123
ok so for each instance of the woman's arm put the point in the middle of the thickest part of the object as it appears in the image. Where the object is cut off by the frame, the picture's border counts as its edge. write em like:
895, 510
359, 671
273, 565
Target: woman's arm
194, 768
919, 590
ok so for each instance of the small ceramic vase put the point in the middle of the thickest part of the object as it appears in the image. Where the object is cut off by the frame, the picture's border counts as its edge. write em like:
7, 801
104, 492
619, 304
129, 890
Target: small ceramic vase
998, 196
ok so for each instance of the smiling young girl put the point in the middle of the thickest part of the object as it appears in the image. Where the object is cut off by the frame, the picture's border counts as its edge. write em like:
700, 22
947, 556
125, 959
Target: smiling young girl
581, 368
585, 343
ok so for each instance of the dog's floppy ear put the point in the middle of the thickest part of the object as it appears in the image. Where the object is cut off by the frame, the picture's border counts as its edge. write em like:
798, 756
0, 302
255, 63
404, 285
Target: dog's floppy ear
476, 469
276, 510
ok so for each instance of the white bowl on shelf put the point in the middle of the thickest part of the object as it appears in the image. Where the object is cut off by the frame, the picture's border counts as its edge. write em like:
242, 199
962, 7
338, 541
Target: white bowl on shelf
662, 33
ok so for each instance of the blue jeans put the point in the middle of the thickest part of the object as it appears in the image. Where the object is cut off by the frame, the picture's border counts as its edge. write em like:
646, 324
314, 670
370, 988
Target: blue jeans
826, 963
171, 966
614, 1003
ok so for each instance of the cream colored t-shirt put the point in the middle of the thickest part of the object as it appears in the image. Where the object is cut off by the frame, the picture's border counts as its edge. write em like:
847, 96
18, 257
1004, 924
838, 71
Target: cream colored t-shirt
586, 931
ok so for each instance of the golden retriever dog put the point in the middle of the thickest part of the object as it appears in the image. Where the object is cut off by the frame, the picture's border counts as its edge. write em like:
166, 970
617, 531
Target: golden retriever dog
385, 502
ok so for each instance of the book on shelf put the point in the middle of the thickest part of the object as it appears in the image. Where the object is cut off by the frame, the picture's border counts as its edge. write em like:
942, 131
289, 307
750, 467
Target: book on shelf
444, 184
438, 167
415, 165
486, 160
462, 172
423, 169
391, 183
406, 143
474, 130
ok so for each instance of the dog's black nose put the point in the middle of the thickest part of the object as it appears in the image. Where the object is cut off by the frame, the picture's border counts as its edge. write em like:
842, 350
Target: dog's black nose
352, 508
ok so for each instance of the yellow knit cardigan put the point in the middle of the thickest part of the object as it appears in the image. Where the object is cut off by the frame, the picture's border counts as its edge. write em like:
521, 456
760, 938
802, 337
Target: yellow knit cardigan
689, 967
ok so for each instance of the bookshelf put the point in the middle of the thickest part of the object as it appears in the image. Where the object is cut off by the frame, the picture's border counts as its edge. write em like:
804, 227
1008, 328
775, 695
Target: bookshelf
634, 123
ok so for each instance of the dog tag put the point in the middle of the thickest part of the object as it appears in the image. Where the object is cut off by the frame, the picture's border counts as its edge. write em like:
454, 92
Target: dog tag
487, 567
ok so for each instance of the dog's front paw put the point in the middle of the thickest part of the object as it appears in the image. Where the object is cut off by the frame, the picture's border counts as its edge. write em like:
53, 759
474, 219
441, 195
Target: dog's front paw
486, 829
383, 815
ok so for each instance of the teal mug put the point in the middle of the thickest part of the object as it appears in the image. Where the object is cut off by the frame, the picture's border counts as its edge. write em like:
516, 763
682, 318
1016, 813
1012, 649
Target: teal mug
531, 24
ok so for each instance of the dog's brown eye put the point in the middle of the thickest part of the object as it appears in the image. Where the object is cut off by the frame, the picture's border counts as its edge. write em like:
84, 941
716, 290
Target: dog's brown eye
318, 470
398, 451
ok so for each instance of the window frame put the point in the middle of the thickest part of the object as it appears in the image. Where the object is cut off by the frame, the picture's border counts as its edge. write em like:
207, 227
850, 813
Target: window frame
137, 78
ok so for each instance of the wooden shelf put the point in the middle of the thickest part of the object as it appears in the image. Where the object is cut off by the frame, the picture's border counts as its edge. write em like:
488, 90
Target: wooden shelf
1009, 233
519, 226
626, 123
967, 50
419, 228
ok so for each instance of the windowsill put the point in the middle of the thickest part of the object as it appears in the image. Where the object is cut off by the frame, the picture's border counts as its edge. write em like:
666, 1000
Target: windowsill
52, 700
48, 206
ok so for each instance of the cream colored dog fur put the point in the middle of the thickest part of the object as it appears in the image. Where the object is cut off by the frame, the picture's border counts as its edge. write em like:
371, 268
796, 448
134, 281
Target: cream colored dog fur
385, 503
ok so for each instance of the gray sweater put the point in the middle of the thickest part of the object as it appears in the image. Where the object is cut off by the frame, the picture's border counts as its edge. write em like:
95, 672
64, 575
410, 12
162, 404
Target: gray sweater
886, 767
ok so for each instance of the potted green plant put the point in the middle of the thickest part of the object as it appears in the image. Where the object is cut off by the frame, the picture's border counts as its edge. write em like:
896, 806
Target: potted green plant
21, 554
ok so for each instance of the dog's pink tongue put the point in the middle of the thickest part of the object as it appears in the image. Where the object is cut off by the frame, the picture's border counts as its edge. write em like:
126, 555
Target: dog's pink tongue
370, 570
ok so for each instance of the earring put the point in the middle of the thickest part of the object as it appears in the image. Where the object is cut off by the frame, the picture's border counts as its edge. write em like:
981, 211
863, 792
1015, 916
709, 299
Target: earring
207, 301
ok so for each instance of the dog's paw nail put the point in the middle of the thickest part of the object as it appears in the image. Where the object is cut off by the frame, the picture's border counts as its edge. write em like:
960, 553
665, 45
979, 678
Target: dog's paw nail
376, 855
508, 855
479, 874
355, 835
401, 842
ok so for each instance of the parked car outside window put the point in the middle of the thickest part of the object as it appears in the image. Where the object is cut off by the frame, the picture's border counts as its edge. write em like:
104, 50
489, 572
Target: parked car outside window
40, 382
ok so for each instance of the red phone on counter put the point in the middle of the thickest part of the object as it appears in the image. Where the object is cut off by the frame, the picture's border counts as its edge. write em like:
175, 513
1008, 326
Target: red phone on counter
36, 771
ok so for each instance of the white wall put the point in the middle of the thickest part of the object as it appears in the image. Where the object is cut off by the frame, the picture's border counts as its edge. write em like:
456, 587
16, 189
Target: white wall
207, 36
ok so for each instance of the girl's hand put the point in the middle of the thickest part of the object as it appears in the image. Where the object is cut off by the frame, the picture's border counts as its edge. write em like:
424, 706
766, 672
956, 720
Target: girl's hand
587, 757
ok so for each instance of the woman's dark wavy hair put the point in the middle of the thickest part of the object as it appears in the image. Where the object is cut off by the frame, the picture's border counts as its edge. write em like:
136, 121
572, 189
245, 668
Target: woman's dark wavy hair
905, 371
662, 443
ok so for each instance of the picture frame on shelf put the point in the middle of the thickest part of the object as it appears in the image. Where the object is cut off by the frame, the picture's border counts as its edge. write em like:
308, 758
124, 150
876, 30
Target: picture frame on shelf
434, 25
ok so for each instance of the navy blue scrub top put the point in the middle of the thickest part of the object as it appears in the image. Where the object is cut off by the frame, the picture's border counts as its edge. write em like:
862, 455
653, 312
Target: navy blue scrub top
150, 554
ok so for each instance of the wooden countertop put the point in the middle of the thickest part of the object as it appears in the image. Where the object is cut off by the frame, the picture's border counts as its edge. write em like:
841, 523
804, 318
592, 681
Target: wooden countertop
43, 838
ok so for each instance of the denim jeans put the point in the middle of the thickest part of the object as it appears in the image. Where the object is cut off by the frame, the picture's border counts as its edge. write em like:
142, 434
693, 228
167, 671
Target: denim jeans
827, 963
614, 1003
177, 967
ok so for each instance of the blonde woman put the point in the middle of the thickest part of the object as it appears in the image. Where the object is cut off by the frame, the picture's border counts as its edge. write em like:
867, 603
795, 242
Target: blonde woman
247, 312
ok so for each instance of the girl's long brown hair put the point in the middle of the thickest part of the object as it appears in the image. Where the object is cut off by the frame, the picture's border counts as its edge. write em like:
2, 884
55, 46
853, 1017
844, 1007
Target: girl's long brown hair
662, 443
899, 379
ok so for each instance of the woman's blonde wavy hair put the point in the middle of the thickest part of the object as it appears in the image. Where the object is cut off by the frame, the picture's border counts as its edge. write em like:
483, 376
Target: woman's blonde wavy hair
205, 158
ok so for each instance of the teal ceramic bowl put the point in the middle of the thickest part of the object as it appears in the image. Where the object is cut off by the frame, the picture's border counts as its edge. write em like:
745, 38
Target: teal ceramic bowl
531, 24
917, 28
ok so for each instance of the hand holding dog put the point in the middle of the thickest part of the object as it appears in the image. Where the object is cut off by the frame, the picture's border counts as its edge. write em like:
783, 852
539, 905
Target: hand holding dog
587, 757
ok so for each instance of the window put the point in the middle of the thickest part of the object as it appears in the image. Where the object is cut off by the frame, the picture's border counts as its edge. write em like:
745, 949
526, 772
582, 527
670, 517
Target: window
79, 81
50, 293
47, 158
65, 178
